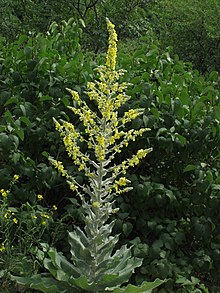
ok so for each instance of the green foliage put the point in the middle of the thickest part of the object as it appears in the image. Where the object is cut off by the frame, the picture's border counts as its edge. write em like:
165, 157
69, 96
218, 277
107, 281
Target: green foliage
21, 17
191, 28
130, 27
173, 213
37, 16
34, 74
22, 226
173, 209
65, 277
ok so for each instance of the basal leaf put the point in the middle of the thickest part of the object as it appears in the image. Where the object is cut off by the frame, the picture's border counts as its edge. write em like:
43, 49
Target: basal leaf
145, 287
44, 284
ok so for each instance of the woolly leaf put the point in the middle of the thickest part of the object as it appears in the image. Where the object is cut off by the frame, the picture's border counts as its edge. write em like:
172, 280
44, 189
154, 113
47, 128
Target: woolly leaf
44, 284
145, 287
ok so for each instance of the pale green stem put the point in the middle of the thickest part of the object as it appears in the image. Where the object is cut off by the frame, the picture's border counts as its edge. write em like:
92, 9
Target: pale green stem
100, 172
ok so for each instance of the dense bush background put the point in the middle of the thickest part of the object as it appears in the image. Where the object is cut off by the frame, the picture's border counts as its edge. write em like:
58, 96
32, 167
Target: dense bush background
191, 28
172, 215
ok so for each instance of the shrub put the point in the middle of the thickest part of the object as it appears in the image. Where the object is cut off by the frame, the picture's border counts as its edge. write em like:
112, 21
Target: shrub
34, 74
173, 208
22, 227
191, 28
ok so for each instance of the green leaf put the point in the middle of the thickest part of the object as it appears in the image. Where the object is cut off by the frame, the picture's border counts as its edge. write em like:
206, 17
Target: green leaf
65, 101
45, 154
60, 263
180, 138
122, 266
217, 113
197, 109
27, 52
43, 284
42, 60
127, 228
26, 121
145, 287
22, 107
161, 130
11, 101
157, 244
82, 283
190, 168
145, 120
22, 39
45, 98
156, 113
20, 133
2, 128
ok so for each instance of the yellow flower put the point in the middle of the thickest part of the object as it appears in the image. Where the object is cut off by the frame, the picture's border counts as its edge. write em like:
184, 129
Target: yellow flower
104, 132
40, 197
15, 220
16, 177
4, 192
7, 214
124, 190
140, 155
100, 153
131, 115
43, 223
101, 140
59, 166
45, 216
73, 186
2, 247
75, 96
54, 207
96, 204
122, 181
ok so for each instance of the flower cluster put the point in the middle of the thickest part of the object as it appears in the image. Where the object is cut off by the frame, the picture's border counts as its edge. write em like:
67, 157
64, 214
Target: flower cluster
10, 215
43, 217
4, 193
23, 225
105, 132
2, 247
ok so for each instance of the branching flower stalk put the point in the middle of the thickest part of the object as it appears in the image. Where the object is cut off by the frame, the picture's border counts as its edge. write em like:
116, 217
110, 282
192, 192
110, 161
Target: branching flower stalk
105, 136
96, 265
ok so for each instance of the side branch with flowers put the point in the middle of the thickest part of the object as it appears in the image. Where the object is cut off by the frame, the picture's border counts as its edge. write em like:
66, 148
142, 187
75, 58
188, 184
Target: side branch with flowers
96, 266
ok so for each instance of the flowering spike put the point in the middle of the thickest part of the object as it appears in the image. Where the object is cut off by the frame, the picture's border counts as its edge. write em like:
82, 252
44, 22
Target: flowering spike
105, 135
112, 46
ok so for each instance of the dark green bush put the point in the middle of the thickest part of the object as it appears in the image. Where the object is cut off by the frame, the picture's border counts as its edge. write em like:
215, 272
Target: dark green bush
191, 28
21, 17
173, 210
34, 73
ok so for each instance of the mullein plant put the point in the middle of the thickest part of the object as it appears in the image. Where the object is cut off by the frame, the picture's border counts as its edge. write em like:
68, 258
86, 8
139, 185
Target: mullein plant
96, 265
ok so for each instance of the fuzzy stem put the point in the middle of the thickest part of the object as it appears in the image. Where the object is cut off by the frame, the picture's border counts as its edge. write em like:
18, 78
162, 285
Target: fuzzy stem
98, 222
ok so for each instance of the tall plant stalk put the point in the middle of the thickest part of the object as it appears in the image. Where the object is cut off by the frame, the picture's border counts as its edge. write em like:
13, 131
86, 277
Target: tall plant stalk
105, 136
96, 265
